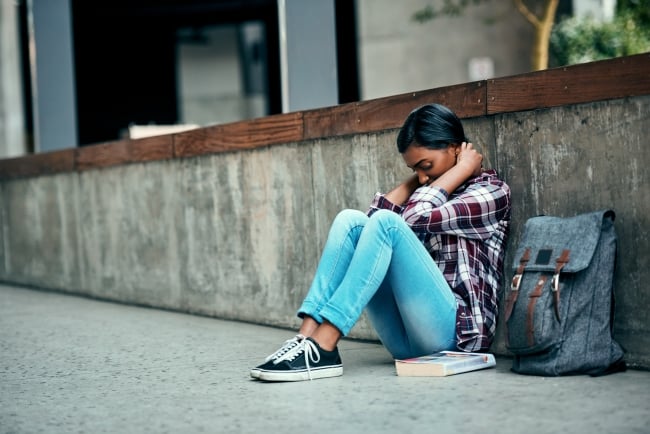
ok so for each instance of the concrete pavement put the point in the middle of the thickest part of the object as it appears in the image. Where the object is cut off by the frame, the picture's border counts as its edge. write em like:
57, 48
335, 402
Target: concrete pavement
76, 365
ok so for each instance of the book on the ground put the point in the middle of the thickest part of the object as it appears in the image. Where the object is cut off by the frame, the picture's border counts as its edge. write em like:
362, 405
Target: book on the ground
443, 364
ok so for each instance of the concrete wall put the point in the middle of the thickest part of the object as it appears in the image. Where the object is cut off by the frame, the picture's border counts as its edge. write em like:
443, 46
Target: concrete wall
574, 159
238, 234
229, 220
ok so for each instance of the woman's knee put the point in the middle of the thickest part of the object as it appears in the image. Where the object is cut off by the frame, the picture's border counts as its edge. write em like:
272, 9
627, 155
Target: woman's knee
386, 217
350, 217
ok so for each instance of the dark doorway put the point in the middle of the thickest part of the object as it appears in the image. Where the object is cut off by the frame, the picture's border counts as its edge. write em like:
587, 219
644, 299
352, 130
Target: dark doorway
126, 58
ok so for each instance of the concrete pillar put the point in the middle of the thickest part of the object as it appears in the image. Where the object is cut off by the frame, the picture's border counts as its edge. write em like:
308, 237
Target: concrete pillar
307, 54
52, 71
12, 122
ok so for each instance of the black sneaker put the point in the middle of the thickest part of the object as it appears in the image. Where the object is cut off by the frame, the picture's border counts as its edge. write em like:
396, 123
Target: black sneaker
306, 361
285, 348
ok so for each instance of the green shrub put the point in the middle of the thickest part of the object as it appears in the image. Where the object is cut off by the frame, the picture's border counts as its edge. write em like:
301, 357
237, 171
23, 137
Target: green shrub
578, 40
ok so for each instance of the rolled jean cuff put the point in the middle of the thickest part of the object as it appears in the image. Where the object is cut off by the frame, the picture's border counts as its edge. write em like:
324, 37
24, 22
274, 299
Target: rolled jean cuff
337, 319
310, 309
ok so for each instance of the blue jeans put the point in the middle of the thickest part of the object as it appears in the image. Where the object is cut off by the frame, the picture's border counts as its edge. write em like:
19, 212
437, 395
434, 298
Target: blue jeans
378, 263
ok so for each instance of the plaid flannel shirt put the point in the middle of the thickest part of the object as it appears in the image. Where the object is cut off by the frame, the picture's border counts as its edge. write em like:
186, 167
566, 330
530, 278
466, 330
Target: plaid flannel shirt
465, 233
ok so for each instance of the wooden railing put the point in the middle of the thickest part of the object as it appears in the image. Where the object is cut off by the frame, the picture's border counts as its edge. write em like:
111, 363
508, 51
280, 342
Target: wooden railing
608, 79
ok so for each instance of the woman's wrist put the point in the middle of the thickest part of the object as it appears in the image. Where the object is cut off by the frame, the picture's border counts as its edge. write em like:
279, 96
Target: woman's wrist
454, 177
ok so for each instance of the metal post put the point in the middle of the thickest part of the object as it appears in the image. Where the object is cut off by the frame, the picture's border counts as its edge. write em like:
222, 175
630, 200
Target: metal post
52, 75
307, 54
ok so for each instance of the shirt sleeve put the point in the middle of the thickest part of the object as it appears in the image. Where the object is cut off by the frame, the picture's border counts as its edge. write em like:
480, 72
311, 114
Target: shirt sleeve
380, 202
473, 212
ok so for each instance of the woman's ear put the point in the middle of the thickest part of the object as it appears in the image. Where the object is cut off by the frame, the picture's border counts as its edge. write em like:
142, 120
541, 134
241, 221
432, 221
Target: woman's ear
454, 148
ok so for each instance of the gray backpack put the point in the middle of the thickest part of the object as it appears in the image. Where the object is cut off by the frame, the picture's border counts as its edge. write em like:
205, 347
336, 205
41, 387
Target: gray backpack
559, 310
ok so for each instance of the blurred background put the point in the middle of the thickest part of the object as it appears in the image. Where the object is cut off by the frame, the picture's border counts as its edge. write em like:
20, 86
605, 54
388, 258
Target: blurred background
76, 73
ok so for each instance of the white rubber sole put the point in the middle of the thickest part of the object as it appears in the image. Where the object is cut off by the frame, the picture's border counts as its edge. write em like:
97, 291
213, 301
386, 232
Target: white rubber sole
301, 375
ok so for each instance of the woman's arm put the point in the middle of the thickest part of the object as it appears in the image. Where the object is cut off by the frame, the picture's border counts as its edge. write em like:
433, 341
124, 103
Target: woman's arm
474, 213
468, 165
400, 194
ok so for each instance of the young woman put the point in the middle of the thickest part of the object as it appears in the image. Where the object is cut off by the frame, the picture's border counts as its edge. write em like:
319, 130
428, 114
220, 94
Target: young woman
425, 261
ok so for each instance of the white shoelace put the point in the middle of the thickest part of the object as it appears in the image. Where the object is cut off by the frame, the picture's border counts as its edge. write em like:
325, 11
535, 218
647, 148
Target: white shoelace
287, 346
305, 346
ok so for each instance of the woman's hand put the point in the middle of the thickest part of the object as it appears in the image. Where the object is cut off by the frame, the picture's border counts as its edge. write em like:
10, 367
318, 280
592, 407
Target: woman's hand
468, 165
469, 158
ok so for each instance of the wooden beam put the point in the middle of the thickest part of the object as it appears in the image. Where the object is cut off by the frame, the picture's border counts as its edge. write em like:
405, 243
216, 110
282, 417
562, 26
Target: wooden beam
123, 152
251, 134
595, 81
46, 163
467, 100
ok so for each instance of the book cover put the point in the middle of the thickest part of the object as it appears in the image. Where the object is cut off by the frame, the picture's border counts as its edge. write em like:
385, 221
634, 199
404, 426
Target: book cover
443, 364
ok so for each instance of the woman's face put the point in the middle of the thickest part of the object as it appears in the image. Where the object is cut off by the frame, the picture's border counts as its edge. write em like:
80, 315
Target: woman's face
429, 164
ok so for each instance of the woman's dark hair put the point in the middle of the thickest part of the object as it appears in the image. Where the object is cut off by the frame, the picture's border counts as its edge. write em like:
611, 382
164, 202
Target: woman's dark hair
433, 126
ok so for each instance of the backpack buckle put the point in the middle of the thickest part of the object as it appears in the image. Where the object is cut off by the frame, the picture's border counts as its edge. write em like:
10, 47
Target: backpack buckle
516, 282
559, 264
556, 283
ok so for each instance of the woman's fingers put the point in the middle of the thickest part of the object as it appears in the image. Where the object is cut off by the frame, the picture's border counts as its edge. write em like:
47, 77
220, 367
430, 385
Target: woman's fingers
470, 157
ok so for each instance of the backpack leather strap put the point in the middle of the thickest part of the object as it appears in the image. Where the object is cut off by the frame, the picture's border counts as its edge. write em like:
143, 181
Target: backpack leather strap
530, 316
514, 288
516, 282
559, 264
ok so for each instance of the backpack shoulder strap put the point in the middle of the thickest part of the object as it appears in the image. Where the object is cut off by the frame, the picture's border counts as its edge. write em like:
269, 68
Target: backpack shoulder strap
514, 288
516, 282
